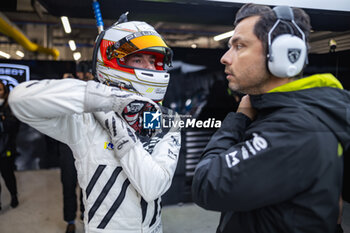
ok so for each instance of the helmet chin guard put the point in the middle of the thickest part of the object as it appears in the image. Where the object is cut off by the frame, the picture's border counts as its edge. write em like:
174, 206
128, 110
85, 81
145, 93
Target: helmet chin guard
121, 40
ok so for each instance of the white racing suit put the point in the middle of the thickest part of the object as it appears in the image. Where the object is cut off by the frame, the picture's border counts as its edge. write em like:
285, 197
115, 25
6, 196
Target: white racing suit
122, 191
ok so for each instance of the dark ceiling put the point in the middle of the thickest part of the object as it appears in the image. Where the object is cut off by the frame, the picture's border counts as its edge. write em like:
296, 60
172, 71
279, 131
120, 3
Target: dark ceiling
184, 24
194, 12
176, 11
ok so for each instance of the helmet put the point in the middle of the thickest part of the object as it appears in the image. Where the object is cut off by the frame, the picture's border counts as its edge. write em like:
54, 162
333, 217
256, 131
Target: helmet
121, 40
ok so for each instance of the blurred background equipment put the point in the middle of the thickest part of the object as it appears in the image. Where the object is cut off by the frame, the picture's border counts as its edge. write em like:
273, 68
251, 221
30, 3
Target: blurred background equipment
198, 85
185, 24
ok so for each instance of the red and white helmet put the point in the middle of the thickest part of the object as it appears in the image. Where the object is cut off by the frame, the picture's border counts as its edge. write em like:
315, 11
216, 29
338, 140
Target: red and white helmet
121, 40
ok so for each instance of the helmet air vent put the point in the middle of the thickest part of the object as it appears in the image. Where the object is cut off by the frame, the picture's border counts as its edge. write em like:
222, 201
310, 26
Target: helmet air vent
147, 74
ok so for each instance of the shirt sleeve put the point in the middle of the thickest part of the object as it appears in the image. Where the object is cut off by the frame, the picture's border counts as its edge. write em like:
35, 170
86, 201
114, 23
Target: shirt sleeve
241, 173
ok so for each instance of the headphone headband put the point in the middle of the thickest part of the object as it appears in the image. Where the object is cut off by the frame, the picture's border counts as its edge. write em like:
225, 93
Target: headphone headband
287, 53
284, 13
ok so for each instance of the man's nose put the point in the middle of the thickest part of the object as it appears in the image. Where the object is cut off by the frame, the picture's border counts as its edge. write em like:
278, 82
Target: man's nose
225, 59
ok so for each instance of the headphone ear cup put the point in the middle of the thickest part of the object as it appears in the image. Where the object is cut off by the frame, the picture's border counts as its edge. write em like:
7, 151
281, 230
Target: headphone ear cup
287, 56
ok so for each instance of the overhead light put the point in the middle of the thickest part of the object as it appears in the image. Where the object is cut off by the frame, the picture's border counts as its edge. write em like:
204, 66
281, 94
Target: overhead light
224, 35
194, 45
72, 45
6, 55
20, 53
332, 45
76, 56
66, 24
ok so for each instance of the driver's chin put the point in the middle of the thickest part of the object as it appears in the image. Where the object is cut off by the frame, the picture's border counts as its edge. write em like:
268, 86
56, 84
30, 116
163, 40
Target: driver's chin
233, 87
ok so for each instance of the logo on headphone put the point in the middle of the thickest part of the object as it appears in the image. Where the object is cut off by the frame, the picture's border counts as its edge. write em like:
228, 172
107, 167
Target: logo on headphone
293, 55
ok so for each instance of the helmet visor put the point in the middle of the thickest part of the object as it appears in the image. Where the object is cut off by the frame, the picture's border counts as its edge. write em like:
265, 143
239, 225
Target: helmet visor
136, 42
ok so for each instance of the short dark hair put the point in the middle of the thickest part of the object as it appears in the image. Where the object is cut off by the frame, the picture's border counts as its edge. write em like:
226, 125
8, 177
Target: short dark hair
268, 19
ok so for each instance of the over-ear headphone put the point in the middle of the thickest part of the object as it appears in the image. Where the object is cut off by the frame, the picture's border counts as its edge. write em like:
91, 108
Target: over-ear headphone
287, 53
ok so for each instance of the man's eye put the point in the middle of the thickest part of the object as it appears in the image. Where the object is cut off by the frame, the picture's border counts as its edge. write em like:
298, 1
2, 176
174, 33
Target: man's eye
238, 46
